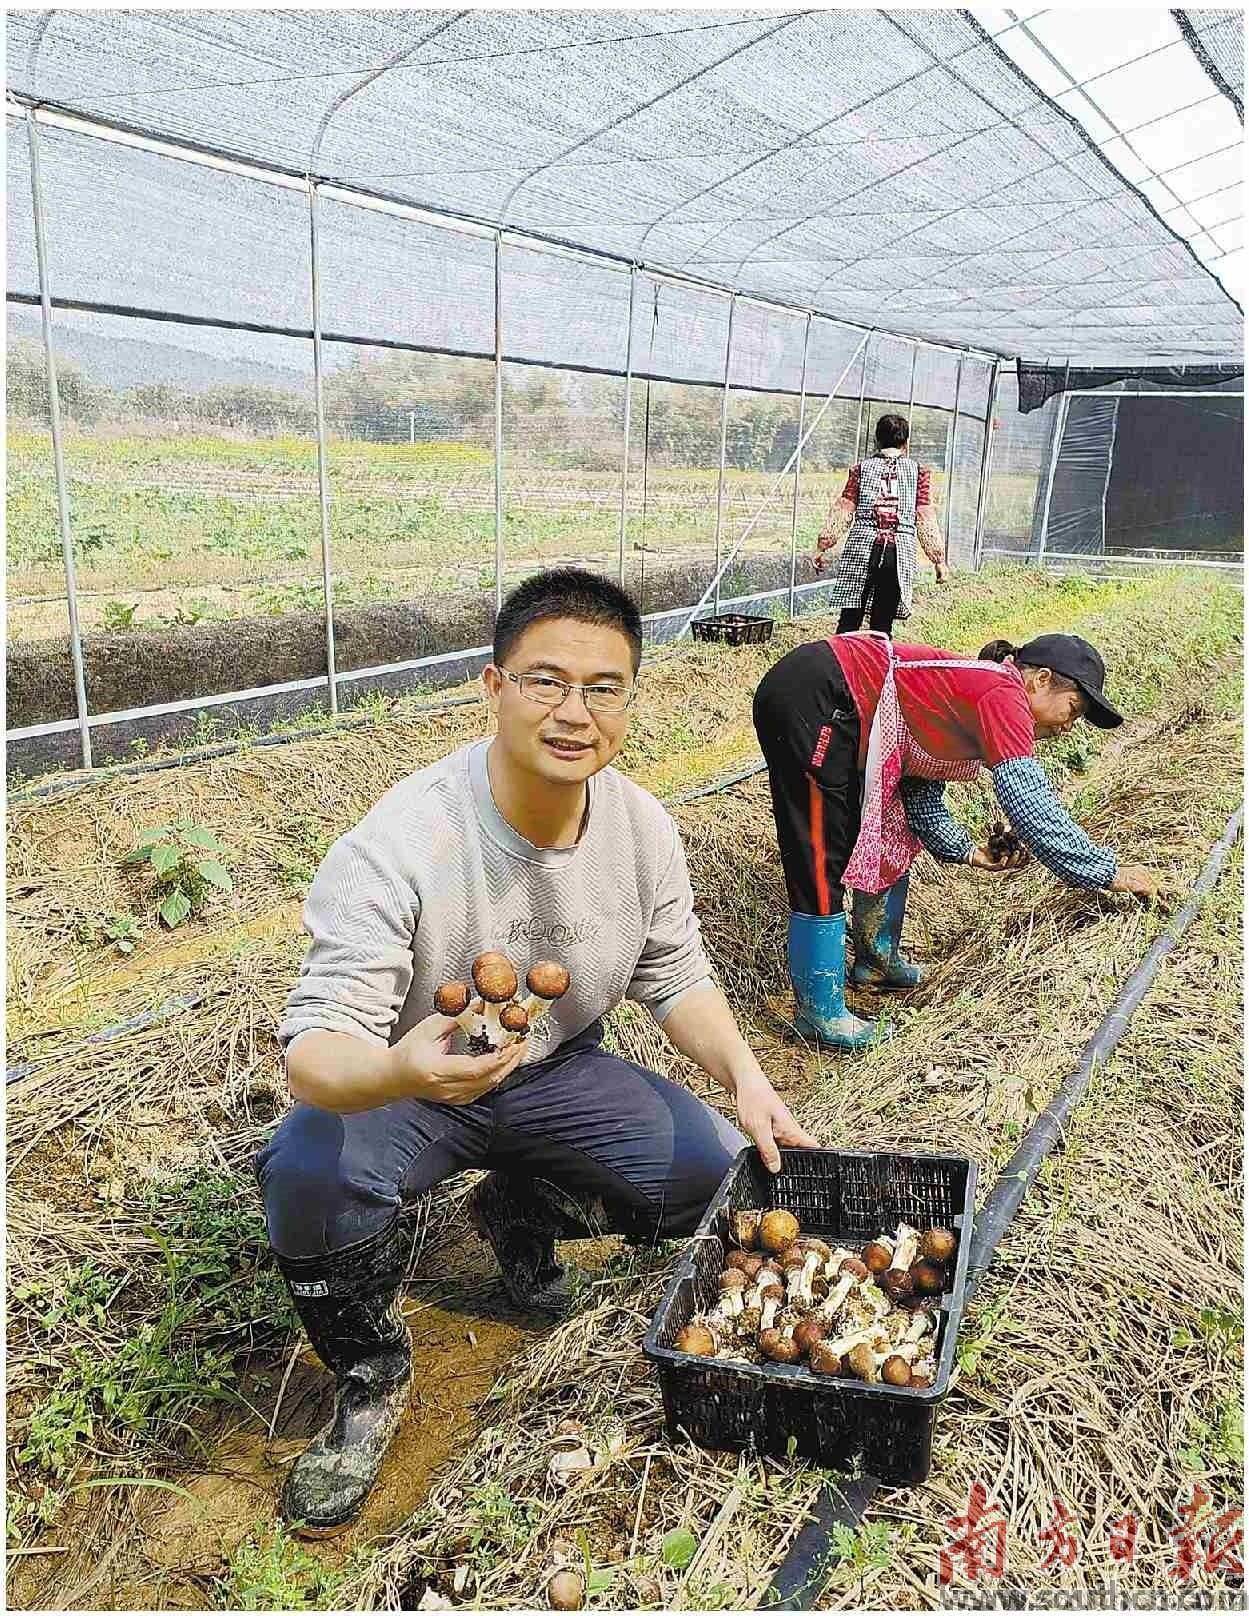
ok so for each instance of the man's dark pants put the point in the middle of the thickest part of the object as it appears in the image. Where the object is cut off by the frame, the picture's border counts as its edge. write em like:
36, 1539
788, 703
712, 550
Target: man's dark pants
650, 1152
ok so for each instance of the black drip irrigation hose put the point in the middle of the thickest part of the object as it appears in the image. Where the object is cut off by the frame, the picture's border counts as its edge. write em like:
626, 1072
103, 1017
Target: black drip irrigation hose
171, 1007
802, 1575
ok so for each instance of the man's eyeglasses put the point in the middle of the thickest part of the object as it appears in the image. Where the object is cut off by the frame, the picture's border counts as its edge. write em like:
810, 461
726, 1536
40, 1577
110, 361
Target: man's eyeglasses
548, 691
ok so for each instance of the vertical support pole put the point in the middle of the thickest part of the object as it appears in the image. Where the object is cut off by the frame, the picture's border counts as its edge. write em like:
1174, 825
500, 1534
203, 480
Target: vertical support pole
58, 451
628, 417
498, 421
986, 461
411, 426
951, 457
724, 440
323, 467
860, 422
1060, 426
793, 525
910, 403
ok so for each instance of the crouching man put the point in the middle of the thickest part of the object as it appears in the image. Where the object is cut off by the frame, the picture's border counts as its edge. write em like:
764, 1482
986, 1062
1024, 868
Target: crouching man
531, 845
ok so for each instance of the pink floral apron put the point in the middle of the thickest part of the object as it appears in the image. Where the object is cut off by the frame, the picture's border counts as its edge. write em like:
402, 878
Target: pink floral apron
887, 846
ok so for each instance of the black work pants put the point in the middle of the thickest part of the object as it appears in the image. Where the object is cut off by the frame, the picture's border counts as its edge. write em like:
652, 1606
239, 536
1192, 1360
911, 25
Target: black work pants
808, 731
883, 587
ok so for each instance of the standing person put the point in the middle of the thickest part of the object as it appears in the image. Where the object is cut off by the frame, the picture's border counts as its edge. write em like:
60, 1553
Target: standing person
884, 510
528, 845
860, 735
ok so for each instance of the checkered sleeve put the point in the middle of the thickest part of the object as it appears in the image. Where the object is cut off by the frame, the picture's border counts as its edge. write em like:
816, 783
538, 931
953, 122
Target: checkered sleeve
1035, 813
932, 821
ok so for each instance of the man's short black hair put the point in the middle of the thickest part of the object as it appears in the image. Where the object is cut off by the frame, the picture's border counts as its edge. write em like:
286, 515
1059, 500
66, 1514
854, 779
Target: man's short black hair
586, 597
892, 432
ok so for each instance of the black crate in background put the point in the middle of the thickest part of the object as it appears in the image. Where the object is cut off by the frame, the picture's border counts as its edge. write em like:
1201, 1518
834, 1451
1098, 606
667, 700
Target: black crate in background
733, 628
844, 1197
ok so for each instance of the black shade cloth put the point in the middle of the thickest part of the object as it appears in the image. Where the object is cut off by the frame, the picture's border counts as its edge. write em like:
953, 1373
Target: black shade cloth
1039, 382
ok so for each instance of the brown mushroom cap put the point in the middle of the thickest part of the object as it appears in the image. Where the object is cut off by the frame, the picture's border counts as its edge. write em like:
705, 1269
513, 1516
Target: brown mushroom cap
897, 1284
824, 1360
547, 979
777, 1230
737, 1258
896, 1371
698, 1340
860, 1362
514, 1018
807, 1334
793, 1260
852, 1265
809, 1242
751, 1265
732, 1279
877, 1256
927, 1277
769, 1283
780, 1348
565, 1591
494, 977
453, 998
819, 1288
921, 1383
938, 1245
746, 1229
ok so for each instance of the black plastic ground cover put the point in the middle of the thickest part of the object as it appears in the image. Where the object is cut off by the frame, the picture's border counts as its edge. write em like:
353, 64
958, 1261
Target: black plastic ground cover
802, 1575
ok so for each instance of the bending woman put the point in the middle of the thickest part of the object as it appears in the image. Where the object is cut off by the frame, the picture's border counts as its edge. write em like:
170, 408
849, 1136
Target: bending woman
860, 735
885, 509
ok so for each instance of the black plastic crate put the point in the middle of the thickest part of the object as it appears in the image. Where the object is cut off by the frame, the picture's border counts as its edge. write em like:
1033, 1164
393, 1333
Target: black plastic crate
733, 628
844, 1197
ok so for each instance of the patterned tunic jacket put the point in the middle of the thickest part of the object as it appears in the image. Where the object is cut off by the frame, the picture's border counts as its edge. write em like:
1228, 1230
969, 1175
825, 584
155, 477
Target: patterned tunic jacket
892, 482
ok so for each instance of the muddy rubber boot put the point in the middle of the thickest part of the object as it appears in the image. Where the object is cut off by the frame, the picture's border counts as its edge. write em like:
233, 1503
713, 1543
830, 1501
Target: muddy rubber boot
817, 969
520, 1219
348, 1302
877, 930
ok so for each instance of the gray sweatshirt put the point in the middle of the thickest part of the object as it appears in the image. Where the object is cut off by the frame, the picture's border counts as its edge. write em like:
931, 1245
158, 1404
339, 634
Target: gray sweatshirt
433, 875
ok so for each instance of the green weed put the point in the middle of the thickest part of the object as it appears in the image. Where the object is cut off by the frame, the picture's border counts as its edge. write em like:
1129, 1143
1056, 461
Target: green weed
273, 1571
186, 861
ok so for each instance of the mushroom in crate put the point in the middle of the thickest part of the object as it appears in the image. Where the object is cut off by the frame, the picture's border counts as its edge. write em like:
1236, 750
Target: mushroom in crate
807, 1303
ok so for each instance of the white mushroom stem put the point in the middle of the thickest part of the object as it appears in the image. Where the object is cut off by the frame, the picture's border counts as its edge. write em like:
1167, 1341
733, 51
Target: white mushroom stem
491, 1026
731, 1303
838, 1257
809, 1270
837, 1295
845, 1343
770, 1307
535, 1006
473, 1021
906, 1249
918, 1327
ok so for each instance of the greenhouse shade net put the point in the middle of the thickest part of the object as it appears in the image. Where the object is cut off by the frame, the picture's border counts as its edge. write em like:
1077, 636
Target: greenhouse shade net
971, 208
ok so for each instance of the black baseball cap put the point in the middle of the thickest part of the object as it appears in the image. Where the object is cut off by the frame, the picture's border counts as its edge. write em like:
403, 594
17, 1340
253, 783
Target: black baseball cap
1078, 661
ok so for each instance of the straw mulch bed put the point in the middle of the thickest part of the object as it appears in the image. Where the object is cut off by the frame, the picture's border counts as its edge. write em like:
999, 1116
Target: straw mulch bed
1078, 1388
1078, 1382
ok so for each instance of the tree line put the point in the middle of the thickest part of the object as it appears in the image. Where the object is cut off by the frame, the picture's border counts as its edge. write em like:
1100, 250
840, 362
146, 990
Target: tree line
570, 420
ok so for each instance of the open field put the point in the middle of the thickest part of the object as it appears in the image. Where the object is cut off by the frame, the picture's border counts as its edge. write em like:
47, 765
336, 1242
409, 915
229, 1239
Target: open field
156, 1392
184, 528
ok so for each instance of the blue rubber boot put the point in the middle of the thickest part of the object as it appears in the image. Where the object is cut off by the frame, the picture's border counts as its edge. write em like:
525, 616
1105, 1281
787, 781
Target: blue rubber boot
817, 969
877, 928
